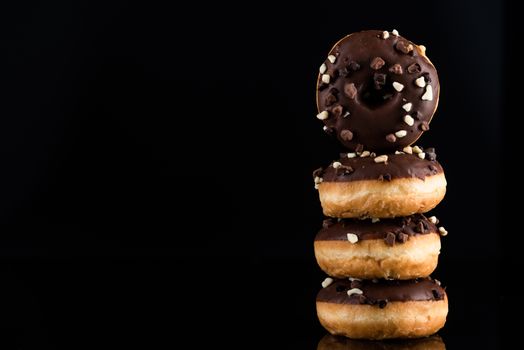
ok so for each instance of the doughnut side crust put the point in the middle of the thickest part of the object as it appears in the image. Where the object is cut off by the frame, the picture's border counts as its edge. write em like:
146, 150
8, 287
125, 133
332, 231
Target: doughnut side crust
381, 199
407, 319
368, 259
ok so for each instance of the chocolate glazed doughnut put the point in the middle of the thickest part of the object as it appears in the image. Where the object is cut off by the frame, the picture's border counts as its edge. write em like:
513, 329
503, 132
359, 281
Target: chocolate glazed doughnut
380, 309
377, 90
400, 248
384, 186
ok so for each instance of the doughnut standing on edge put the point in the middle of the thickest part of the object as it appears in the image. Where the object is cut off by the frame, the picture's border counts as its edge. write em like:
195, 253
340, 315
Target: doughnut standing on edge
363, 185
377, 91
380, 309
400, 248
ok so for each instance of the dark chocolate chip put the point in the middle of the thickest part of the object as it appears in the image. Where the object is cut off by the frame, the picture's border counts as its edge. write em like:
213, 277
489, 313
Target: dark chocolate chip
354, 66
327, 222
346, 135
382, 303
377, 63
437, 294
330, 99
334, 91
402, 237
403, 46
328, 130
356, 284
361, 298
427, 78
347, 169
419, 228
337, 111
343, 72
340, 289
350, 90
391, 138
318, 172
380, 80
416, 115
359, 148
390, 239
414, 68
424, 126
432, 156
384, 177
430, 150
432, 168
396, 69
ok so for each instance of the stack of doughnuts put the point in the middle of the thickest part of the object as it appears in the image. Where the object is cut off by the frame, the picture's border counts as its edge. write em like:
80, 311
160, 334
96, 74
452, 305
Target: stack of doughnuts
377, 93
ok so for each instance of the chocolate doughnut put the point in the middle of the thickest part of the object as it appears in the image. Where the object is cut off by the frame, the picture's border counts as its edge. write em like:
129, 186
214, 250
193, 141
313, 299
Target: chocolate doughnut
377, 90
331, 342
400, 248
363, 184
381, 309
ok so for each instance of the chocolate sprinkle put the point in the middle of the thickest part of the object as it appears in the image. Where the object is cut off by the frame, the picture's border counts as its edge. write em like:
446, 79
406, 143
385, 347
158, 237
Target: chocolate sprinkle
377, 63
390, 239
346, 135
424, 126
414, 68
396, 69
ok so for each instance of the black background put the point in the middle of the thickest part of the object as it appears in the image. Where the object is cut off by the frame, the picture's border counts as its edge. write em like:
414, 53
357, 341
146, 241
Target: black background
156, 168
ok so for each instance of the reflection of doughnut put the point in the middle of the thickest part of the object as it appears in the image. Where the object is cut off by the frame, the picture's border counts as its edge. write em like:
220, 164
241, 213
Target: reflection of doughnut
331, 342
381, 187
377, 89
381, 309
401, 248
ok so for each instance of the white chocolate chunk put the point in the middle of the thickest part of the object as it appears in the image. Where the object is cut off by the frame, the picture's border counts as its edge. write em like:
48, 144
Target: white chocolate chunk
323, 68
326, 78
332, 58
354, 291
381, 159
323, 115
398, 86
327, 282
407, 106
401, 133
428, 95
408, 149
416, 149
409, 120
352, 238
420, 82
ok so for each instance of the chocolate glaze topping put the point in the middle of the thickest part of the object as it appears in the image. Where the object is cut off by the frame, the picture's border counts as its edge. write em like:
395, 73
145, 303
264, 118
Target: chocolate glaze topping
401, 228
367, 86
397, 166
381, 292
